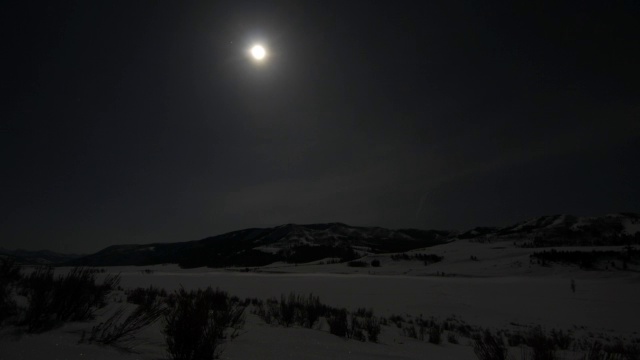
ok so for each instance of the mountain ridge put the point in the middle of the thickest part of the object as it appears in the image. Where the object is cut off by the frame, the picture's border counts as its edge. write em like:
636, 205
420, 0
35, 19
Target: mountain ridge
298, 243
565, 230
262, 246
38, 257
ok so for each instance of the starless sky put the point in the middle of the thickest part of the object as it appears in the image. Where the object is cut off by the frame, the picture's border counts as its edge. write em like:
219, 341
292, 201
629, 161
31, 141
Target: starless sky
146, 121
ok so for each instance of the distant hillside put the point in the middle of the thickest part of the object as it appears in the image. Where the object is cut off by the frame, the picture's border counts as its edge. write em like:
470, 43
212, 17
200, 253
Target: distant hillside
41, 257
304, 243
565, 230
256, 247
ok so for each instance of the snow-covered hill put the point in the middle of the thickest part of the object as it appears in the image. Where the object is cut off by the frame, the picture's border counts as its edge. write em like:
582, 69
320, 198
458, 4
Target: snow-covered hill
41, 257
490, 284
257, 247
565, 230
294, 243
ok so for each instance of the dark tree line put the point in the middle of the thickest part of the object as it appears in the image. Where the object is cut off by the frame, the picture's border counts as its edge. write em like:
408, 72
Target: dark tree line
426, 258
587, 259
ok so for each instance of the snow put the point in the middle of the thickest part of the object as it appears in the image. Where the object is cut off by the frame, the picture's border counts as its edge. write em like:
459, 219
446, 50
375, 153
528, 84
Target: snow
632, 227
60, 344
491, 301
560, 219
267, 342
502, 290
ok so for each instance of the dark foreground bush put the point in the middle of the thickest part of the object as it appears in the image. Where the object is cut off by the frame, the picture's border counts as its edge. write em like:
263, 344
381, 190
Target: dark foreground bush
542, 347
9, 276
145, 296
198, 322
311, 310
372, 325
338, 323
71, 297
452, 338
307, 310
292, 309
435, 335
489, 347
120, 331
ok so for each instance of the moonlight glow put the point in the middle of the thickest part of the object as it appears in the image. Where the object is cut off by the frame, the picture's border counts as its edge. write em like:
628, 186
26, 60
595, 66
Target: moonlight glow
258, 52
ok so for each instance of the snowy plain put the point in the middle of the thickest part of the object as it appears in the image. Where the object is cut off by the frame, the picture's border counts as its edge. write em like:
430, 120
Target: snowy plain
503, 289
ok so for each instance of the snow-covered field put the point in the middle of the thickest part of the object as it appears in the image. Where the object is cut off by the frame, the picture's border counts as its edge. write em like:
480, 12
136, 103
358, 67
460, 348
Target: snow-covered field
502, 290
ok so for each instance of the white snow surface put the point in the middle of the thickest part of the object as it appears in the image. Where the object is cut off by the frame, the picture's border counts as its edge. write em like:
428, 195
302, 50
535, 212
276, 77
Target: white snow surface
502, 290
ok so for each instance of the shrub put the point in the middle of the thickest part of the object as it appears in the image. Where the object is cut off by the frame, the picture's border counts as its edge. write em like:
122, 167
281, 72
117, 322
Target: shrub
363, 312
372, 325
489, 347
515, 339
38, 289
145, 296
266, 313
464, 329
292, 309
397, 319
311, 311
615, 351
198, 322
542, 347
338, 324
375, 263
595, 352
410, 331
71, 297
287, 309
435, 335
9, 275
355, 330
9, 271
116, 331
560, 339
452, 338
306, 311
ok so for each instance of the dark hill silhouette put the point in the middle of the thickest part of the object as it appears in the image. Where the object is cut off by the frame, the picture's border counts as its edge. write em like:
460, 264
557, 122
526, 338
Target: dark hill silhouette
257, 247
304, 243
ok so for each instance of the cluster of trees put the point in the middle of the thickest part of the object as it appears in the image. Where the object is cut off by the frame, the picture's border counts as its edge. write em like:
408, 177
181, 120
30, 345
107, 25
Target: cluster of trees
570, 238
233, 256
587, 259
426, 258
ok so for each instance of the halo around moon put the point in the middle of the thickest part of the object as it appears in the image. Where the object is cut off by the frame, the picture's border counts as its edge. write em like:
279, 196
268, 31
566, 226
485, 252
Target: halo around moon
258, 52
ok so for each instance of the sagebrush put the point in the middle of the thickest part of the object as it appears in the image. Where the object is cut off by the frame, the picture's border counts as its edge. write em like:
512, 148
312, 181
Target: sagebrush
199, 322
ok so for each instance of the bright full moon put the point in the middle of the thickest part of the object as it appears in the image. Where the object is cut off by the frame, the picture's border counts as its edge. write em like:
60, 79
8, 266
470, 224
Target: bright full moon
258, 52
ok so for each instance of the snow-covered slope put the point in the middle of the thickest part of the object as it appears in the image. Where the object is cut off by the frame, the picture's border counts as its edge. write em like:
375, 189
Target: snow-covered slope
256, 247
486, 284
41, 257
566, 230
304, 243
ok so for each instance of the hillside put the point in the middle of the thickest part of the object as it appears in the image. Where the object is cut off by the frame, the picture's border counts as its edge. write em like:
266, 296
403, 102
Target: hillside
256, 247
41, 257
296, 244
565, 230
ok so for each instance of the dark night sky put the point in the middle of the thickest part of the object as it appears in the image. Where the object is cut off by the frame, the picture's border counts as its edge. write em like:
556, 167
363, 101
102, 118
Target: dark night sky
136, 121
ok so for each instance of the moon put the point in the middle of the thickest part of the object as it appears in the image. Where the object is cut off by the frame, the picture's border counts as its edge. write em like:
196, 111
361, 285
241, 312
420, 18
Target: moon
258, 52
